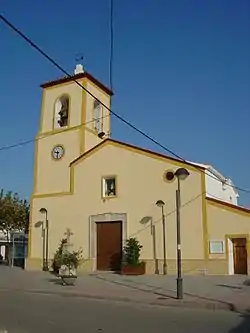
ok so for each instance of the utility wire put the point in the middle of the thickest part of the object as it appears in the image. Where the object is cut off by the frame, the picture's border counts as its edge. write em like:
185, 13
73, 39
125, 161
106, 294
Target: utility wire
168, 214
111, 41
111, 45
128, 123
23, 143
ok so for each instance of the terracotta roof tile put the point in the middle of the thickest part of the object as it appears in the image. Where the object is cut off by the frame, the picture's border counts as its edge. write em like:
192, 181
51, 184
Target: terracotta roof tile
79, 76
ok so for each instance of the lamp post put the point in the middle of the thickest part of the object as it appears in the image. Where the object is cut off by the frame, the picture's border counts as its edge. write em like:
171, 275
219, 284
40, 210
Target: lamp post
45, 239
161, 204
44, 246
154, 247
144, 221
38, 225
180, 174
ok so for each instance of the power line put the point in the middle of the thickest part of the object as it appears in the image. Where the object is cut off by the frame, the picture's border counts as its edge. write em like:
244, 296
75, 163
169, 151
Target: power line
29, 41
111, 44
128, 123
24, 143
167, 214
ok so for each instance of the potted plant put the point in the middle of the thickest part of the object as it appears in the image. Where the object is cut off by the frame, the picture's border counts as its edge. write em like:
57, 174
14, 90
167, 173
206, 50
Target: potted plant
132, 264
57, 260
69, 264
66, 262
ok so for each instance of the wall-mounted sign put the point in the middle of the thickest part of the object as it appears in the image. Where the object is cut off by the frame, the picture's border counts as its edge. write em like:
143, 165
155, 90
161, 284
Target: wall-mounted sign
216, 247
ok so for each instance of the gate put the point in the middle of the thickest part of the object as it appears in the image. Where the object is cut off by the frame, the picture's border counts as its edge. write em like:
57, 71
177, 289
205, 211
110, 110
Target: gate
14, 249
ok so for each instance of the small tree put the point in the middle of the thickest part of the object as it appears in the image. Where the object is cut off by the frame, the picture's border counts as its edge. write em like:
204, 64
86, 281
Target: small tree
14, 213
57, 260
64, 257
132, 251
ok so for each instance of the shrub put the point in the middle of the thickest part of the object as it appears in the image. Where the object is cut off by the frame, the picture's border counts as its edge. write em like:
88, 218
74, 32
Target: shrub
71, 259
65, 257
132, 251
57, 260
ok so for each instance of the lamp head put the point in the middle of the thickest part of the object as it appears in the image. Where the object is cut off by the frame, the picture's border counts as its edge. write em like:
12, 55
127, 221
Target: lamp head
101, 135
43, 210
160, 203
182, 173
38, 224
145, 220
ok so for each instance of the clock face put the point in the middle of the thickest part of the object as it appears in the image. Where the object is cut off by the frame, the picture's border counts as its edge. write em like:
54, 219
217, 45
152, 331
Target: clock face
57, 152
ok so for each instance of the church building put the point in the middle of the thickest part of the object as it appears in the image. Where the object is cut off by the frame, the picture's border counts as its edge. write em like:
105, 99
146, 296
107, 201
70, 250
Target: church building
105, 191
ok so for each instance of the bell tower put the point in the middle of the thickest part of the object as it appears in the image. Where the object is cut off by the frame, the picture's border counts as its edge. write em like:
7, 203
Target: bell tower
72, 122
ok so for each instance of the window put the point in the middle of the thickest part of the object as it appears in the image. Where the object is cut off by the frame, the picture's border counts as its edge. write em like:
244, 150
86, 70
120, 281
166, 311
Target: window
97, 116
216, 247
169, 176
109, 187
61, 112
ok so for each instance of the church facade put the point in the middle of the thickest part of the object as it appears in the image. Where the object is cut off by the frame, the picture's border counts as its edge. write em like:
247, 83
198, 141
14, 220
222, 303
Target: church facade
105, 191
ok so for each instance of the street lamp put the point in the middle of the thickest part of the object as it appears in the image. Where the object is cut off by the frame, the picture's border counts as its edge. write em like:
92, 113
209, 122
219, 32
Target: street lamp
161, 204
180, 174
38, 225
144, 221
46, 244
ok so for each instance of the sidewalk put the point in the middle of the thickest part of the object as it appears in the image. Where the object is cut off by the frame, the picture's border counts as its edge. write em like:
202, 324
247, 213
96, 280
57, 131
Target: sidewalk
218, 292
199, 292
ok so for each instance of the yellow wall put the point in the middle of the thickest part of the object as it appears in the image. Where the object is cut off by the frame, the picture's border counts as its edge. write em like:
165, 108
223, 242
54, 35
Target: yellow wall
52, 177
59, 217
140, 184
223, 222
50, 96
91, 138
72, 194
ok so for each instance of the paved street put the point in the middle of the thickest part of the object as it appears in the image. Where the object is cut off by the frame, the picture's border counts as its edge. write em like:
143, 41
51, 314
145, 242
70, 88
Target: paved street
27, 312
231, 293
37, 302
221, 291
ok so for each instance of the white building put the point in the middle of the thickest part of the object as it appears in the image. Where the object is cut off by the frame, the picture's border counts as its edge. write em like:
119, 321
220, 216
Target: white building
218, 186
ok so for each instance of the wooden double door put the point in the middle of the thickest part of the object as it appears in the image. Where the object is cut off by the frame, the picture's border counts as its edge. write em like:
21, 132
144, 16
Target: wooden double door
240, 255
109, 246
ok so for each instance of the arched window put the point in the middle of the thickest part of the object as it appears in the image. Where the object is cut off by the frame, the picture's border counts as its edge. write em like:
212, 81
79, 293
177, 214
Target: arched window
97, 116
61, 112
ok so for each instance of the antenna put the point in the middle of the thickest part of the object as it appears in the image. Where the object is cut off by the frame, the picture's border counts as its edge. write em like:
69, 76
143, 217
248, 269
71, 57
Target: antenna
79, 57
79, 67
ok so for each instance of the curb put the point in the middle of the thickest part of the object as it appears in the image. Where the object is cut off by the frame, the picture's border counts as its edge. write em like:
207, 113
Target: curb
161, 302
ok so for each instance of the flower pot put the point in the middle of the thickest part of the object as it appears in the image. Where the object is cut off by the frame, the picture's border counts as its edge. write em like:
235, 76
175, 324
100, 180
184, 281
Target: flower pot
68, 275
68, 280
139, 269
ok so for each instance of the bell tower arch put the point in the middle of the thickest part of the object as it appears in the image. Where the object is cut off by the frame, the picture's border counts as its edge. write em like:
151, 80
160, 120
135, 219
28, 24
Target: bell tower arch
70, 124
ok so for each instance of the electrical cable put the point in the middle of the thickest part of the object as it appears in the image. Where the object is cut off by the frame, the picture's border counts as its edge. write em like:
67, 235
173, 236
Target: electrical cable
23, 143
128, 123
111, 59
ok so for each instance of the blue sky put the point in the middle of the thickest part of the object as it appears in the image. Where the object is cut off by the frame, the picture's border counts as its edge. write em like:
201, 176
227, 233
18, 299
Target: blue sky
181, 74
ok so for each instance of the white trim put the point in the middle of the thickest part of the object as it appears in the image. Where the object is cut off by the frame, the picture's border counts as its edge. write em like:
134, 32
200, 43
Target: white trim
98, 123
230, 257
105, 186
106, 217
217, 241
217, 174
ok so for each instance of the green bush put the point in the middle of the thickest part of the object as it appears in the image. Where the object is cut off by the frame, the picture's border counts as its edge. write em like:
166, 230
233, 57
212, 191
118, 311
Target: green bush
57, 260
65, 257
71, 259
132, 251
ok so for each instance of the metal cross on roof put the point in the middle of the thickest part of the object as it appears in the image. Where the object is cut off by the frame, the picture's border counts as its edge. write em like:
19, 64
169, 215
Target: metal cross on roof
68, 234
